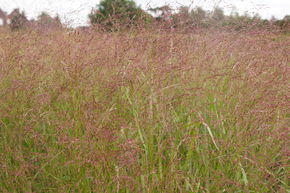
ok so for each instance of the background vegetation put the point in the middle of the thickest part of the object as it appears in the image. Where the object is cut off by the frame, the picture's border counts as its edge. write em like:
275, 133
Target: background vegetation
158, 109
117, 14
120, 15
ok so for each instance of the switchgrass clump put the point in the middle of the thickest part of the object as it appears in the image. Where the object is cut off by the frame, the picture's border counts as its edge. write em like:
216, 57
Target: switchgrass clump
149, 111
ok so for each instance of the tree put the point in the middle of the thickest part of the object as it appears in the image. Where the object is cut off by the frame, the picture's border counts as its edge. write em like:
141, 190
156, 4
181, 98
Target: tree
198, 14
218, 14
284, 23
116, 13
287, 18
183, 18
45, 19
18, 20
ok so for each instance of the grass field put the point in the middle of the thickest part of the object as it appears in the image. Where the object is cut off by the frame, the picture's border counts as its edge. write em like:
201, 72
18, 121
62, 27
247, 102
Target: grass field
144, 112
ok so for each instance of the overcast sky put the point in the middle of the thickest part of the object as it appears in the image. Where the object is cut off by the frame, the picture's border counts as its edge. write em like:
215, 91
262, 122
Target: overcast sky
75, 12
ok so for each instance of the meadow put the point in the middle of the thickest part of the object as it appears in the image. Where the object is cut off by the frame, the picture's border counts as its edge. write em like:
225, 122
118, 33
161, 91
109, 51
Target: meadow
146, 111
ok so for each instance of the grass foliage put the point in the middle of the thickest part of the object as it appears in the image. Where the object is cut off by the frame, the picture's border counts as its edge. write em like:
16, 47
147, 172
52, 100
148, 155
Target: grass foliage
144, 111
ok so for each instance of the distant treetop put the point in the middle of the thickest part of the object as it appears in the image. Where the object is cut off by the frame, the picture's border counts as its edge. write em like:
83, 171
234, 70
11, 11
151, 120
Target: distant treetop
116, 13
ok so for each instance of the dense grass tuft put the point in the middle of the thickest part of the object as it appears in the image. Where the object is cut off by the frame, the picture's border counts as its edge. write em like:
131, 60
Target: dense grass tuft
144, 112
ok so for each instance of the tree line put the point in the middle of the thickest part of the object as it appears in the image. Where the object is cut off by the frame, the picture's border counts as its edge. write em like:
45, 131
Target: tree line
118, 14
18, 20
113, 15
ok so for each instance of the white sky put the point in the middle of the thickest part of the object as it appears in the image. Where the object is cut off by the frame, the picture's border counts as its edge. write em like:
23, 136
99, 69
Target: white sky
74, 12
